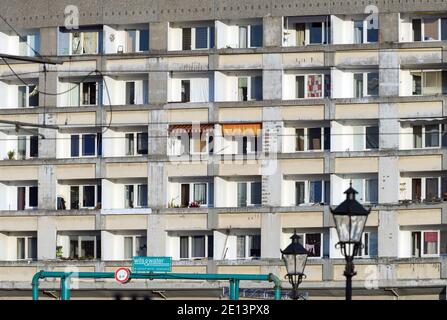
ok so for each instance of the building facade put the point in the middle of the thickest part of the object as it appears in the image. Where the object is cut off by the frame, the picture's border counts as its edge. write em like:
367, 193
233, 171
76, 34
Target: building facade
209, 131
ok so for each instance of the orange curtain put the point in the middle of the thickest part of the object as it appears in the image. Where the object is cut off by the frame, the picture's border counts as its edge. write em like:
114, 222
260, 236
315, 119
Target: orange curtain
246, 129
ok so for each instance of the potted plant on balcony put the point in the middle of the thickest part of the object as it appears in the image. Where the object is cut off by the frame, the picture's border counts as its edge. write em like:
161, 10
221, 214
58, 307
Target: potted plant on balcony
59, 252
194, 204
11, 155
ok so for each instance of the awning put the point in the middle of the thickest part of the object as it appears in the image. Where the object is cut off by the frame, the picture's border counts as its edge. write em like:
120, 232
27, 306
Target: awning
424, 120
188, 128
246, 129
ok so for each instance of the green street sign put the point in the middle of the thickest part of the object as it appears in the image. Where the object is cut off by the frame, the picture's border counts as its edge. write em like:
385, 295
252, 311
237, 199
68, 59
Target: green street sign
151, 264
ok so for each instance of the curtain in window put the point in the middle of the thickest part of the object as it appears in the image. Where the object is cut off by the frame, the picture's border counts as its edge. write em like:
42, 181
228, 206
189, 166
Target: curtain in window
90, 42
139, 92
417, 136
242, 194
20, 248
21, 147
128, 247
198, 246
128, 196
300, 34
430, 242
141, 246
299, 192
129, 144
76, 45
241, 247
358, 31
200, 193
431, 188
313, 244
243, 34
184, 247
431, 29
200, 90
432, 83
131, 41
314, 86
22, 96
63, 46
299, 139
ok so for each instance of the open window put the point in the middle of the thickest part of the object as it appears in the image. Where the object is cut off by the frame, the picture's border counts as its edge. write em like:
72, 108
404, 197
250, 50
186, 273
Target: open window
134, 246
196, 246
313, 139
312, 86
425, 243
427, 136
312, 192
85, 145
26, 248
196, 194
429, 29
137, 40
250, 88
135, 196
81, 41
85, 197
28, 96
27, 198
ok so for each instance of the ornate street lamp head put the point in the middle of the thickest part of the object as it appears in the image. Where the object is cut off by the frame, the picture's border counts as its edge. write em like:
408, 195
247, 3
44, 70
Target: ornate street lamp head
295, 258
350, 220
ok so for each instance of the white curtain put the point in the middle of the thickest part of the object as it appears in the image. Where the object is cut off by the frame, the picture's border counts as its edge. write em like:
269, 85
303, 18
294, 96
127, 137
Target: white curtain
139, 92
200, 90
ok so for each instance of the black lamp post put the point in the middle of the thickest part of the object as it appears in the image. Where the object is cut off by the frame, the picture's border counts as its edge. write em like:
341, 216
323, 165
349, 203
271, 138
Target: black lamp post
295, 258
350, 219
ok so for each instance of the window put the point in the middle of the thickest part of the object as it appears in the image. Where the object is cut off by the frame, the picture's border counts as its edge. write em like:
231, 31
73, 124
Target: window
196, 194
417, 30
316, 33
32, 197
249, 194
243, 36
429, 82
250, 88
241, 247
142, 196
372, 34
371, 190
428, 136
130, 144
88, 144
373, 84
186, 39
144, 40
312, 192
312, 86
142, 143
130, 93
431, 29
34, 147
28, 96
425, 243
21, 148
196, 246
129, 196
186, 91
89, 93
372, 137
431, 188
358, 31
85, 40
137, 40
254, 248
256, 36
358, 85
74, 145
248, 246
84, 247
204, 37
317, 139
369, 242
313, 243
26, 248
90, 196
134, 246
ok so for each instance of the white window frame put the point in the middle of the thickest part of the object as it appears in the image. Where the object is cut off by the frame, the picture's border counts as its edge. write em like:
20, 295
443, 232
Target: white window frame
82, 43
307, 192
84, 238
362, 195
26, 247
423, 28
135, 194
27, 93
365, 84
190, 257
365, 31
81, 93
81, 195
424, 255
365, 138
306, 92
247, 238
27, 147
135, 144
134, 245
423, 74
423, 137
27, 195
306, 140
208, 37
424, 186
80, 145
303, 237
365, 244
249, 203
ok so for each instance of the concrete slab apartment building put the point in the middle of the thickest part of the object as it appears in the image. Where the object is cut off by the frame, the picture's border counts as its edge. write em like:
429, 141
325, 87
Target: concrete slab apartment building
209, 130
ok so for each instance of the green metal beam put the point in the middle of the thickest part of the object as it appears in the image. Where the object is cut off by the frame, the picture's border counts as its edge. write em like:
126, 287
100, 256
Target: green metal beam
233, 278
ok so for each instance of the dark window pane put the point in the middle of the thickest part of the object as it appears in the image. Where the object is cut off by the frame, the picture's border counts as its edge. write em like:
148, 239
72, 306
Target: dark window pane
99, 144
210, 247
256, 36
256, 88
417, 137
300, 87
242, 194
372, 137
431, 187
184, 247
416, 189
88, 144
88, 200
34, 147
20, 198
198, 246
299, 189
32, 197
417, 30
74, 198
33, 96
314, 138
186, 91
201, 38
313, 244
186, 37
299, 139
327, 192
432, 135
327, 138
144, 40
142, 195
443, 29
372, 34
75, 145
373, 84
256, 193
212, 37
316, 192
316, 33
142, 143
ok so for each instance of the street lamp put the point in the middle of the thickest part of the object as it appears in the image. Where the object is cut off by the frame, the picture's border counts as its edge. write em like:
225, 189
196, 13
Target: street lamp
295, 258
350, 219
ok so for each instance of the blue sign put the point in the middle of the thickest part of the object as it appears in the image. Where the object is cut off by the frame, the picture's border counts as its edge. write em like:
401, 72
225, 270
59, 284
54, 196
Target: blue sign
151, 264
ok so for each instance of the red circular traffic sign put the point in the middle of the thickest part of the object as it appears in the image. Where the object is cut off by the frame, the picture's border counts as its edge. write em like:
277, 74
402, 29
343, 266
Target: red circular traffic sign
122, 275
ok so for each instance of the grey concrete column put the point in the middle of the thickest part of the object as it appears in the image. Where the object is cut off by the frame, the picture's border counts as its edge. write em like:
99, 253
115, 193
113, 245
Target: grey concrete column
388, 73
48, 41
158, 133
48, 83
272, 31
158, 36
388, 234
389, 180
46, 238
272, 76
157, 185
389, 27
156, 235
270, 236
158, 87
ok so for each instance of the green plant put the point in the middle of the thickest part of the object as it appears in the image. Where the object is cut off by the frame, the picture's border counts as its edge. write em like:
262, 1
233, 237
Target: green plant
11, 154
59, 252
